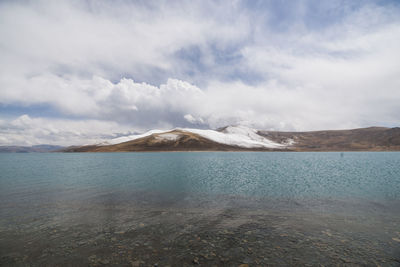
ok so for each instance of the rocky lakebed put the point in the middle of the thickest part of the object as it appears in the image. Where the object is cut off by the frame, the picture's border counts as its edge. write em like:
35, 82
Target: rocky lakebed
228, 231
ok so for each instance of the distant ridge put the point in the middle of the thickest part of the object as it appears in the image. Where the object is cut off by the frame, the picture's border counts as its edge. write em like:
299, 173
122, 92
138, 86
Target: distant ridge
361, 139
29, 149
240, 138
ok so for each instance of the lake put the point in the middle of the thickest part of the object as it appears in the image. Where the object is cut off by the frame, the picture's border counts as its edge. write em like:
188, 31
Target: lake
200, 208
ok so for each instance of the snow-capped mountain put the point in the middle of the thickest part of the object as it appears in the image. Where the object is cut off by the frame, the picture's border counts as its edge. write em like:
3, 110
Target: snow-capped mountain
240, 136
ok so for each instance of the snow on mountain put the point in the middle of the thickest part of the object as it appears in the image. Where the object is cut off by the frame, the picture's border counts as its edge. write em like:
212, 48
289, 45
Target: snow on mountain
232, 135
237, 136
168, 136
130, 137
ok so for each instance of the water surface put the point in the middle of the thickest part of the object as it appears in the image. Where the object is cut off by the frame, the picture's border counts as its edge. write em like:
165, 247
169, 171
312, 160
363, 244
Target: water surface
209, 208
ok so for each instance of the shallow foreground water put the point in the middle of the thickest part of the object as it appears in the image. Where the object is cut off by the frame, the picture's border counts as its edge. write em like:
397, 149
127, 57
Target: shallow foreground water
208, 208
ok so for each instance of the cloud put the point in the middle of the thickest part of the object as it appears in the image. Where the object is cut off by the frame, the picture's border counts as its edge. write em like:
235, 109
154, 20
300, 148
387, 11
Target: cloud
98, 98
86, 38
27, 131
193, 120
130, 66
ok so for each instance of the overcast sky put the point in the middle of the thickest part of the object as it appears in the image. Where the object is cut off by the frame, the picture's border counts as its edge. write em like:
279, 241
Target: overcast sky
76, 72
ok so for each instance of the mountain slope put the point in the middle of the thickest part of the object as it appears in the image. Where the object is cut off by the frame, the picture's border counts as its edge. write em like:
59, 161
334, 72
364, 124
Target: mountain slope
177, 140
363, 139
239, 138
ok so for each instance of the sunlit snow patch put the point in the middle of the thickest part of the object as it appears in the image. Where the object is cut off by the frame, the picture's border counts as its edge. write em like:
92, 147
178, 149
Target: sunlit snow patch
237, 136
127, 138
168, 136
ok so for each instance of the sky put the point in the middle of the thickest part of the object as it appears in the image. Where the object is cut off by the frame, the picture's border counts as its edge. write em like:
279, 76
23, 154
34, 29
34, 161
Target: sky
78, 72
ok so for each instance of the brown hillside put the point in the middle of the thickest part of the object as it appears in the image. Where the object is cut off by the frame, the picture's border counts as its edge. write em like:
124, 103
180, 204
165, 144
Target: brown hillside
363, 139
186, 141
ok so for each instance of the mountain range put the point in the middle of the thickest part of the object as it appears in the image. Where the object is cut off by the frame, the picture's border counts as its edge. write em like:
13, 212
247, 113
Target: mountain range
241, 138
29, 149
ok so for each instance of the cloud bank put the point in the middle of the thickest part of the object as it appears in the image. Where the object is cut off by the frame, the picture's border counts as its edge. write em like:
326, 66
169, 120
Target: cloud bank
81, 71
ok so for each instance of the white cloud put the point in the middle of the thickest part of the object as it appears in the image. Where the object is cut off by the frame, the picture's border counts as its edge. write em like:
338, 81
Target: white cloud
105, 39
193, 120
27, 131
99, 98
236, 68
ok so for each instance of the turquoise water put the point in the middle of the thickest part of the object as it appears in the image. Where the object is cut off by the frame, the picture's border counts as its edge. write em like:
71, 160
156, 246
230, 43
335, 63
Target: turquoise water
370, 175
207, 208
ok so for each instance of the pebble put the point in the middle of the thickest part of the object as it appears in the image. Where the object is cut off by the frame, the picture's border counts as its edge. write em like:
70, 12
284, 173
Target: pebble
135, 263
105, 262
247, 260
93, 257
196, 261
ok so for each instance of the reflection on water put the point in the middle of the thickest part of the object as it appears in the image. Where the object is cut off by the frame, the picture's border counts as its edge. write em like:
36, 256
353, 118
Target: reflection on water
180, 209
